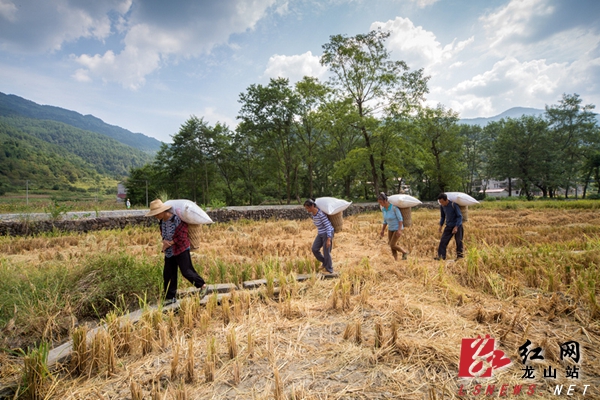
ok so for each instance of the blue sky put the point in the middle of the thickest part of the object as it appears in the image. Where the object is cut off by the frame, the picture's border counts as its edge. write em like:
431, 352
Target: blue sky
147, 66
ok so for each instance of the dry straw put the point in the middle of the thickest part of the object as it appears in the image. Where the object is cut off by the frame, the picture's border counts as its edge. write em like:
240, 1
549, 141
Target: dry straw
190, 369
232, 344
136, 391
175, 361
79, 357
379, 324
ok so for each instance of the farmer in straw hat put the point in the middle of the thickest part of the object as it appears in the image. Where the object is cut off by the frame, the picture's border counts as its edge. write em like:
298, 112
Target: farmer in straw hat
324, 237
176, 246
392, 219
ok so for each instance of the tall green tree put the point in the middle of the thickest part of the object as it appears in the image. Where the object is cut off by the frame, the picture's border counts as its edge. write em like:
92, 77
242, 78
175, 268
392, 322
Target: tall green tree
142, 185
187, 164
474, 156
250, 165
269, 113
500, 153
312, 96
439, 137
364, 72
522, 148
226, 157
576, 134
340, 122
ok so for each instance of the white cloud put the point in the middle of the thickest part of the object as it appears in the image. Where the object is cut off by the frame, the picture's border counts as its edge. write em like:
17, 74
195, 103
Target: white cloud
129, 68
154, 33
295, 67
512, 83
424, 3
417, 46
8, 10
154, 38
81, 75
514, 21
41, 26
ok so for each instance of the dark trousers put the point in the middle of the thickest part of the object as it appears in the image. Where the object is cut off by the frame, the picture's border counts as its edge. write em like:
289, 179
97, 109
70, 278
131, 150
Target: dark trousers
325, 258
446, 236
184, 262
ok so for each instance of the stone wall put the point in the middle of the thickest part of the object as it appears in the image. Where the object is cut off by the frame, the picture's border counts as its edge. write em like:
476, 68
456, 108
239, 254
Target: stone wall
17, 228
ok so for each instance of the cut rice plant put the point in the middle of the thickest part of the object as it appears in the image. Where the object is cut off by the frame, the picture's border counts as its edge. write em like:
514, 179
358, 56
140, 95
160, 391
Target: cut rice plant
232, 344
36, 382
136, 391
190, 368
79, 356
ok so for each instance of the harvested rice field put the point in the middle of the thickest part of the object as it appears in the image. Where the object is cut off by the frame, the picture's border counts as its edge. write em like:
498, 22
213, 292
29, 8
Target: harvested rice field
383, 329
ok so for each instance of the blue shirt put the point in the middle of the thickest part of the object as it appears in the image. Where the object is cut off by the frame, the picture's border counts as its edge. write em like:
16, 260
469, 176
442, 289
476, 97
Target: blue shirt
392, 217
322, 223
451, 213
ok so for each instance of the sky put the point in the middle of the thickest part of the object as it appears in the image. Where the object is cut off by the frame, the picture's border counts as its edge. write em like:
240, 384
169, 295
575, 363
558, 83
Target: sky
149, 65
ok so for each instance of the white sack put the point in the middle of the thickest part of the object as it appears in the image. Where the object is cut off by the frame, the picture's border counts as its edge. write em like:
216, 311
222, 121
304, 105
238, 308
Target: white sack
189, 212
403, 201
462, 199
331, 205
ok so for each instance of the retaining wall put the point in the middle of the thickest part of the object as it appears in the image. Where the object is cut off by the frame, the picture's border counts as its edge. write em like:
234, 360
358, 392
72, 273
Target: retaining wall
19, 228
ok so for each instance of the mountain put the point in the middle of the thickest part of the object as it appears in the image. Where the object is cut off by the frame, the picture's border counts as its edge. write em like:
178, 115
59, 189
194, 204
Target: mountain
11, 105
49, 150
515, 112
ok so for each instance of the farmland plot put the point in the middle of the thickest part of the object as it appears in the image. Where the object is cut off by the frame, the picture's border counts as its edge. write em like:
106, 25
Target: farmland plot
384, 329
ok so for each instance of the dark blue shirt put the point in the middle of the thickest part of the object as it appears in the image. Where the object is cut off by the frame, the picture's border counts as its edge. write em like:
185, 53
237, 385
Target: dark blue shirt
451, 214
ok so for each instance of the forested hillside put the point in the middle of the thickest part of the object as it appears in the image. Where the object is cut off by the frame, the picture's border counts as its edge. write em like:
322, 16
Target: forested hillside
52, 152
11, 105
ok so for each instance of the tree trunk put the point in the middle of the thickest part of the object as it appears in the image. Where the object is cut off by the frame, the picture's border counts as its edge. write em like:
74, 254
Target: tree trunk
383, 179
371, 161
347, 182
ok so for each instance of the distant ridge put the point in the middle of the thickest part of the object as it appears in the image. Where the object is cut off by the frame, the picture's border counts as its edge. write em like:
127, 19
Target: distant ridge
12, 105
515, 112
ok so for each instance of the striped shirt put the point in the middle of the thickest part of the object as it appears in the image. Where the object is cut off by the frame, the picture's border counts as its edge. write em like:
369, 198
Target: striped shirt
322, 223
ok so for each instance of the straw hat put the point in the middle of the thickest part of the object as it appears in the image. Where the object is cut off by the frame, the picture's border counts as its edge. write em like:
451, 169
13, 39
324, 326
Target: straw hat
156, 207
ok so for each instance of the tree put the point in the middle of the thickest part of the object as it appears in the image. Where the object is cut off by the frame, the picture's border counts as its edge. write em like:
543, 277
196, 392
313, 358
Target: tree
438, 136
226, 156
362, 71
312, 95
500, 153
339, 121
141, 184
189, 161
522, 148
574, 128
592, 168
249, 164
269, 113
474, 156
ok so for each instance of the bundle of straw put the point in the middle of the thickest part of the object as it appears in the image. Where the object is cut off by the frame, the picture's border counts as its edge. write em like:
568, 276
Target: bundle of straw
194, 231
406, 216
464, 210
337, 221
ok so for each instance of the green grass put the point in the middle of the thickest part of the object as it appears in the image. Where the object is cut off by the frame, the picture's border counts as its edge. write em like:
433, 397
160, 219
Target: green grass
518, 203
45, 301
